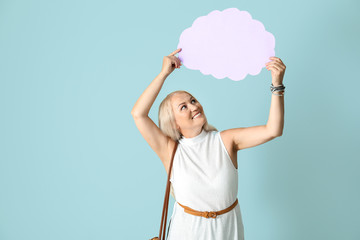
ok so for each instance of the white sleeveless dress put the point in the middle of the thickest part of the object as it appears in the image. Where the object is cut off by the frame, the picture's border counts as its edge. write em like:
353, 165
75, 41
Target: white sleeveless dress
204, 178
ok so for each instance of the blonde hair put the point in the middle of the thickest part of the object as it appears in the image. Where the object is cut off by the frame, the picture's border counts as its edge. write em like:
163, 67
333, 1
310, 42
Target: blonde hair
167, 120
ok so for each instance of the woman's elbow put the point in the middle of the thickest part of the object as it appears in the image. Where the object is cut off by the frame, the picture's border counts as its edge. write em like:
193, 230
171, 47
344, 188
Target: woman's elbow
137, 114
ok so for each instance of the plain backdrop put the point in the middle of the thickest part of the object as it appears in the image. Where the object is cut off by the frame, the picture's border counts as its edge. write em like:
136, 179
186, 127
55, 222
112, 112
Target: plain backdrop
73, 165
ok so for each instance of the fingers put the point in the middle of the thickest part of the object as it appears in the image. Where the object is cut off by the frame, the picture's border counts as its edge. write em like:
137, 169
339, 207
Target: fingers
276, 62
273, 67
175, 52
176, 61
276, 59
178, 64
276, 65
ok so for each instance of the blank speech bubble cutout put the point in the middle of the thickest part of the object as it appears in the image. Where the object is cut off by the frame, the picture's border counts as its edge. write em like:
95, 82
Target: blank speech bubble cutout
226, 44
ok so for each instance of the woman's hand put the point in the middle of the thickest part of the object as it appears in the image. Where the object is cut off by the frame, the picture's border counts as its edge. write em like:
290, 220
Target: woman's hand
171, 62
277, 68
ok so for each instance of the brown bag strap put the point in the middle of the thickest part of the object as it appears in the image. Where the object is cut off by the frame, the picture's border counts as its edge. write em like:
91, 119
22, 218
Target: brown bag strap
166, 199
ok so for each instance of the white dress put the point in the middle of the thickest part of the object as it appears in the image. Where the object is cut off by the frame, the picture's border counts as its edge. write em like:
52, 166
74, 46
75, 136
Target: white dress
204, 178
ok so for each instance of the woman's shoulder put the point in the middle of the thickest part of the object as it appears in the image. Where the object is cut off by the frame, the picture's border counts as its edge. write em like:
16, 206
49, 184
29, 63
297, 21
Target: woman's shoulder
214, 134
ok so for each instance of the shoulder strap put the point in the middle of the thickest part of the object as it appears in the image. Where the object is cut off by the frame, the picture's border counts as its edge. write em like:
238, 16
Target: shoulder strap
166, 199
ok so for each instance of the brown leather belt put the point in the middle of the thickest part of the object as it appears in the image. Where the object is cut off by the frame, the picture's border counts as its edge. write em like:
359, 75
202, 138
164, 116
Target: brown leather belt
208, 214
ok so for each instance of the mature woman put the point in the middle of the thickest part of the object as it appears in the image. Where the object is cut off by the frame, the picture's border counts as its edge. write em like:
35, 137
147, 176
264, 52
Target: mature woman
204, 174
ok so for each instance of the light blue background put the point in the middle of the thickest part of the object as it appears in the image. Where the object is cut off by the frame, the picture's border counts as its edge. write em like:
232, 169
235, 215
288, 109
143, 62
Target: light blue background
74, 166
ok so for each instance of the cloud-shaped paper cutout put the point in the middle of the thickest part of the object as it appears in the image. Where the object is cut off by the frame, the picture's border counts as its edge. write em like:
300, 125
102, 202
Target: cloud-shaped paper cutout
226, 44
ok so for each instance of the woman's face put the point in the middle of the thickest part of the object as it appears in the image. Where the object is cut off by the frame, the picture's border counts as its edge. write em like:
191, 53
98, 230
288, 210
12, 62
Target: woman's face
188, 113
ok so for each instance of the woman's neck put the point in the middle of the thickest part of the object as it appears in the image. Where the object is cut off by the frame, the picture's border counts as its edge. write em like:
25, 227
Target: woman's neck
191, 133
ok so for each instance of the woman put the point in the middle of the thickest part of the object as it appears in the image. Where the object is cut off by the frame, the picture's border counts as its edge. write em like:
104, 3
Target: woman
204, 174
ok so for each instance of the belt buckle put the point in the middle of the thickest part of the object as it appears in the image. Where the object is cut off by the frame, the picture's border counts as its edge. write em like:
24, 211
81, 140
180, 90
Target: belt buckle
210, 214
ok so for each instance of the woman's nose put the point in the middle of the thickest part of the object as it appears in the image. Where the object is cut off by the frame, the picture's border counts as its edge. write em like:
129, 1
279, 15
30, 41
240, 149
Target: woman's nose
194, 108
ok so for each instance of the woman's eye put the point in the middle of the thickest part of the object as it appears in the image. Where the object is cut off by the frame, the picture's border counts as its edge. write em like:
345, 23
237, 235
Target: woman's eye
183, 107
193, 100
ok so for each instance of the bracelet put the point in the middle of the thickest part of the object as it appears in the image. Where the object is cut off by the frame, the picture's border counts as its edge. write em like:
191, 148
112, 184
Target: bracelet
280, 88
278, 94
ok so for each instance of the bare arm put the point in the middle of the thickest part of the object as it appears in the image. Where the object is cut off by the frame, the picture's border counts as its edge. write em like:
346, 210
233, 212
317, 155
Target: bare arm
158, 141
147, 98
246, 137
275, 123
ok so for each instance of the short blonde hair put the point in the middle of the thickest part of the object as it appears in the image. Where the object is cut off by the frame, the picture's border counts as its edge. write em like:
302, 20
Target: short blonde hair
167, 120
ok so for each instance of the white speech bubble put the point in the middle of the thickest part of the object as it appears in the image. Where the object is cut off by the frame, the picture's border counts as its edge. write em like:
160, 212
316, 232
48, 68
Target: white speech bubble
226, 44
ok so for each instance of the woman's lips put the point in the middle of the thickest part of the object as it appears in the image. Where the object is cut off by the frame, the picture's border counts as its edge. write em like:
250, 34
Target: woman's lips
196, 115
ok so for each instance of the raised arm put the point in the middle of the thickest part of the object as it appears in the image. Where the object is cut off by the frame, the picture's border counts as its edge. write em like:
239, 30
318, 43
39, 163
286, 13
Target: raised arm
246, 137
158, 141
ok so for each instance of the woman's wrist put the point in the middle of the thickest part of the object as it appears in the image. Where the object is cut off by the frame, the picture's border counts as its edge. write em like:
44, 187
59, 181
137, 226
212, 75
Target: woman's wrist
163, 74
277, 88
275, 84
